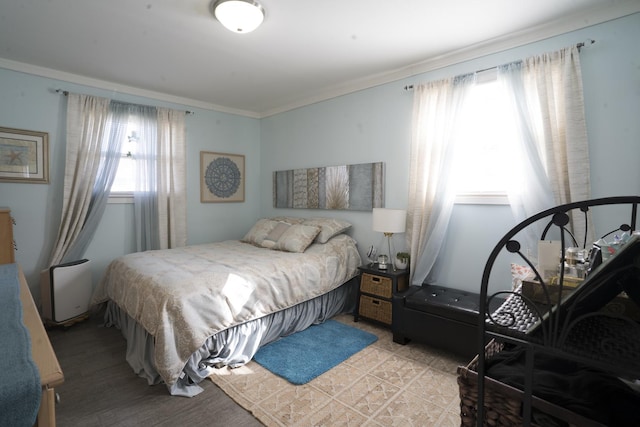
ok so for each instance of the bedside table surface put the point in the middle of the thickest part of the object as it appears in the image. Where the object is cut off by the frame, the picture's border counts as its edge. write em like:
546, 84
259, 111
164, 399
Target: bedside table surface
373, 269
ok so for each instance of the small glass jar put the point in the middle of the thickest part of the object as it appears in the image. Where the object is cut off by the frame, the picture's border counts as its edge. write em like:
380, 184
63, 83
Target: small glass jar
575, 256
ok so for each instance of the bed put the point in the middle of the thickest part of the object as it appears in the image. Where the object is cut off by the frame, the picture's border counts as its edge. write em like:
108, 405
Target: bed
187, 311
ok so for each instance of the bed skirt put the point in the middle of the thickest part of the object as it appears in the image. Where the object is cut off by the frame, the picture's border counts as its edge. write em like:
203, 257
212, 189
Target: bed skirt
232, 347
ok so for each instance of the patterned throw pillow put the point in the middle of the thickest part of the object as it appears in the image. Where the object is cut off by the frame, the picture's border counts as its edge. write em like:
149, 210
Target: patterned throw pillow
296, 238
259, 231
288, 219
329, 227
272, 238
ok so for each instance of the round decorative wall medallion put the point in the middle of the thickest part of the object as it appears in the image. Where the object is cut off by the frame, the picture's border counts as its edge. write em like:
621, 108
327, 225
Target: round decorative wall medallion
223, 177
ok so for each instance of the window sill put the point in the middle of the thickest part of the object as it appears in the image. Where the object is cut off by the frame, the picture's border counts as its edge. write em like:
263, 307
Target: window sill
482, 199
120, 198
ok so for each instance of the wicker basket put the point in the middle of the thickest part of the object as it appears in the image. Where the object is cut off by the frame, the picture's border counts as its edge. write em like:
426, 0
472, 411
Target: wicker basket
376, 309
501, 409
503, 403
376, 285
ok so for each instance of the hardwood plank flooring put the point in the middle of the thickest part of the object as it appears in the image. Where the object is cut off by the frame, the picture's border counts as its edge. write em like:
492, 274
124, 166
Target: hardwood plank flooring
101, 389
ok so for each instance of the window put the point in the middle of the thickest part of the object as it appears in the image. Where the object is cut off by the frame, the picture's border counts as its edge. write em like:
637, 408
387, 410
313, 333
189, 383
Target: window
485, 137
125, 180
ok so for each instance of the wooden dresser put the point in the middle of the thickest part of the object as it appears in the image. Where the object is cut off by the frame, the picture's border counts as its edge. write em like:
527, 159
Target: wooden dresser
7, 253
43, 356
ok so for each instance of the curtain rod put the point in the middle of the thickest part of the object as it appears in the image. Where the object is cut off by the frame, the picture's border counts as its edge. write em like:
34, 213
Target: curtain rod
580, 45
66, 93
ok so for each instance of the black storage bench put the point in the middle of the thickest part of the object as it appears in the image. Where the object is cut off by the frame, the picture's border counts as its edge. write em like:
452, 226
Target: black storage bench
444, 317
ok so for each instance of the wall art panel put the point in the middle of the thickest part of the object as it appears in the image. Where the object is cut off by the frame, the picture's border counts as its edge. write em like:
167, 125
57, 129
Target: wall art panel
357, 187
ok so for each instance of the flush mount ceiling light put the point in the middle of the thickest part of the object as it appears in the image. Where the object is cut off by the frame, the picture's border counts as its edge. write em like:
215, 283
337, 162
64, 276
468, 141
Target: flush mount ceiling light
239, 16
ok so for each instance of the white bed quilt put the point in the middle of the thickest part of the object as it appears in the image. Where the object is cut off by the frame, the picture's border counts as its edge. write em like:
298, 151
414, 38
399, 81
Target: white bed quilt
182, 296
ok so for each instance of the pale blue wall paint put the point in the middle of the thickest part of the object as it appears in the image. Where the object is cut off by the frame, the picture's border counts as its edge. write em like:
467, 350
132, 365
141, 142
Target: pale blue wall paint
375, 125
367, 126
29, 102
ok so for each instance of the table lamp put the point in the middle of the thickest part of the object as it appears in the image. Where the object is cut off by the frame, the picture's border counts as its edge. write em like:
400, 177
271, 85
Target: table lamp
389, 221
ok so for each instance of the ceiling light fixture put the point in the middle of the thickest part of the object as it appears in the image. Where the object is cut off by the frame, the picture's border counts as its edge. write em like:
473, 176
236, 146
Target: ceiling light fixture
239, 16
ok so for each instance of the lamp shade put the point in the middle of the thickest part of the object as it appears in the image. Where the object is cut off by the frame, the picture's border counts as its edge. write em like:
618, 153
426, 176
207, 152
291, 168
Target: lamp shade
389, 220
239, 16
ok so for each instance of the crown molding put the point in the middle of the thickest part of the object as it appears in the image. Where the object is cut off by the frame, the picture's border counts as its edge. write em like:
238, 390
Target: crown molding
117, 88
498, 44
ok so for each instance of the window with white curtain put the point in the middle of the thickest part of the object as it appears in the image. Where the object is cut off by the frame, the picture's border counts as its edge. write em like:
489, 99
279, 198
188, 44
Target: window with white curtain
484, 140
124, 183
546, 106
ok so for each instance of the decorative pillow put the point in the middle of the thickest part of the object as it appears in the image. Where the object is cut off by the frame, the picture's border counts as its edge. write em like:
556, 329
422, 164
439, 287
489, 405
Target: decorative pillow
288, 219
296, 238
520, 273
329, 227
272, 238
259, 231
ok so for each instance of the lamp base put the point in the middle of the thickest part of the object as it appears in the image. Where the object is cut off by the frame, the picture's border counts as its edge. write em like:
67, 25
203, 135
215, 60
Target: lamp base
391, 255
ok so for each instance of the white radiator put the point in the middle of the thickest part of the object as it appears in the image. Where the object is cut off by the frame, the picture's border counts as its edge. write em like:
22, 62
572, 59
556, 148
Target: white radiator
66, 291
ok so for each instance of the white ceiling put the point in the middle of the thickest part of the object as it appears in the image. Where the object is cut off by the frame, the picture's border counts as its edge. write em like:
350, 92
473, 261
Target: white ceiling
305, 51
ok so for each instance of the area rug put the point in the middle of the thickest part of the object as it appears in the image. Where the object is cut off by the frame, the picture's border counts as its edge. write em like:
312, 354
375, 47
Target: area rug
300, 357
384, 384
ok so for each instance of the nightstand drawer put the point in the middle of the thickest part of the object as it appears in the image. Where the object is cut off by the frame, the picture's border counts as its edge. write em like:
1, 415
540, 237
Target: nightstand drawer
375, 309
376, 285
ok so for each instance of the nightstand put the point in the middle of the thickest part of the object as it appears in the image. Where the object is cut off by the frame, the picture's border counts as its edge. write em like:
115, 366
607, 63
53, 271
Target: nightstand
376, 290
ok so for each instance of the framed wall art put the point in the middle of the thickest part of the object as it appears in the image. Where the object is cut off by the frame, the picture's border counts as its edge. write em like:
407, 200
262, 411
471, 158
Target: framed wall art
221, 177
358, 187
24, 156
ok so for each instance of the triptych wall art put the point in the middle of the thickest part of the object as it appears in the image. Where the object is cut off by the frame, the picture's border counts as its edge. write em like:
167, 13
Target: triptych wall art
357, 187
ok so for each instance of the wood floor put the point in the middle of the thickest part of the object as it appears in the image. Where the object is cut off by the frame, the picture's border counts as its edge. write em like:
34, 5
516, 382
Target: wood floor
100, 388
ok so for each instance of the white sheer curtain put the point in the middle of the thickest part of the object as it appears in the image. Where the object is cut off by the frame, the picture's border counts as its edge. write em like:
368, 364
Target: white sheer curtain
547, 97
172, 178
546, 92
558, 78
529, 192
160, 195
145, 195
436, 106
92, 154
96, 128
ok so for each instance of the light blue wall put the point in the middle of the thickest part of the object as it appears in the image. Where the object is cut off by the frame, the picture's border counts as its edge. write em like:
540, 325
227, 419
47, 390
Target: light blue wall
375, 125
29, 102
367, 126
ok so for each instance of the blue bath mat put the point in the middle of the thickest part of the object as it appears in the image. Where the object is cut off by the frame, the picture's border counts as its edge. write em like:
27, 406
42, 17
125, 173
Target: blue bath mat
303, 356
